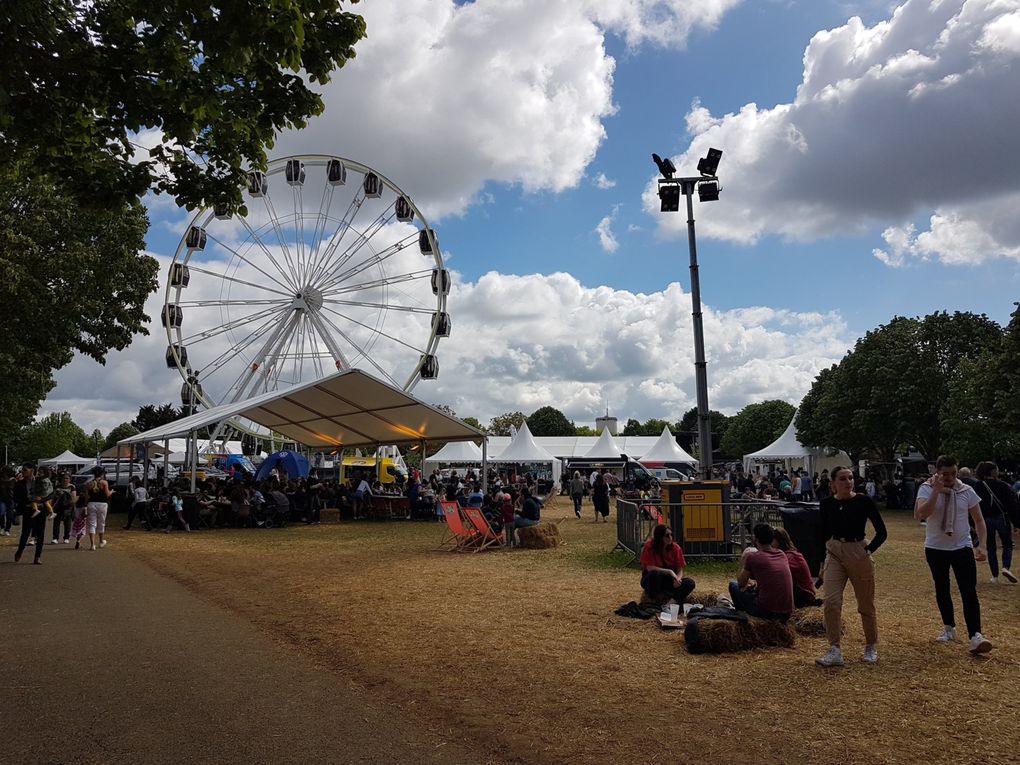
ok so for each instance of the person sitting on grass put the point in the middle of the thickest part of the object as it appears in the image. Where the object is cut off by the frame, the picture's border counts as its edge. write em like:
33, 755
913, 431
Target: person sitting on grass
662, 567
768, 567
803, 583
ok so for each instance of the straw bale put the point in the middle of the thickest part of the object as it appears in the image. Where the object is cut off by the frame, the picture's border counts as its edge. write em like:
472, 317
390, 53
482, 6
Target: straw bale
706, 599
727, 636
808, 622
539, 537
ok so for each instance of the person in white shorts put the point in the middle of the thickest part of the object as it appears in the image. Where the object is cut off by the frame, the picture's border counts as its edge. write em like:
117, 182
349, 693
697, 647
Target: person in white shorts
98, 492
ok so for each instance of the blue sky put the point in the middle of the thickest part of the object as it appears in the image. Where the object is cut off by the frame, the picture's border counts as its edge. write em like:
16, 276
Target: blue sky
870, 169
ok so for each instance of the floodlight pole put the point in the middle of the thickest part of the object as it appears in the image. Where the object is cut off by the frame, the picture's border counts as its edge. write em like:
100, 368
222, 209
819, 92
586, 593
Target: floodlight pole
687, 186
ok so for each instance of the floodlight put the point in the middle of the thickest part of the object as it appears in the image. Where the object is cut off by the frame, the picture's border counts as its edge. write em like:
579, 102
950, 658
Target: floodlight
669, 197
666, 166
708, 191
708, 164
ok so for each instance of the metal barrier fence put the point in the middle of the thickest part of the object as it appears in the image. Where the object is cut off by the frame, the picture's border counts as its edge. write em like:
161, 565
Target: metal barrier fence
713, 530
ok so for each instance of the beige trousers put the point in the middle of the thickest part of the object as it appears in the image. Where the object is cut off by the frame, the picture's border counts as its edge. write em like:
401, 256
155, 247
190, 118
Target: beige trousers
849, 561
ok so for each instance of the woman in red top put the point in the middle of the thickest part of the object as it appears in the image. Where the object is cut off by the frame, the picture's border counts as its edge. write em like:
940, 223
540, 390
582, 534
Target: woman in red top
803, 583
662, 567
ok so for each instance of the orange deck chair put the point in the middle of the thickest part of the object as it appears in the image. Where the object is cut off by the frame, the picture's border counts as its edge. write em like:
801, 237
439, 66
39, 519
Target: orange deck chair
458, 537
485, 537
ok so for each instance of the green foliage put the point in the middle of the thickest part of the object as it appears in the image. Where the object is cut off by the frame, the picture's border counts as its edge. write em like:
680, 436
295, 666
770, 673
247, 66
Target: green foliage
123, 430
549, 421
888, 392
652, 427
981, 415
756, 426
500, 425
70, 280
584, 430
52, 435
151, 416
473, 422
218, 81
686, 431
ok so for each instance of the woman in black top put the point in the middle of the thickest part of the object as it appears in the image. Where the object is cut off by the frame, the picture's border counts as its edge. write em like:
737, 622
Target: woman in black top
848, 557
600, 498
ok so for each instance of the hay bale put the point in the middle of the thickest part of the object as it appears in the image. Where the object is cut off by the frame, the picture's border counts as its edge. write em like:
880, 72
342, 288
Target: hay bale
706, 599
539, 537
728, 636
808, 622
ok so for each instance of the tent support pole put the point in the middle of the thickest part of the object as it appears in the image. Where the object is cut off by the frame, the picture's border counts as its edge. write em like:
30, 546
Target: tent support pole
193, 458
485, 466
166, 460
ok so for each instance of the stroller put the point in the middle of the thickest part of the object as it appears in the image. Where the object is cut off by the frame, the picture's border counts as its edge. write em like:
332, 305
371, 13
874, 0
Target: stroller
276, 513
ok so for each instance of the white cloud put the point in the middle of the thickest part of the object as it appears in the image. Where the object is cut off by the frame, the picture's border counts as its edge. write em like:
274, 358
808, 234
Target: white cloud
602, 182
607, 240
444, 97
915, 115
521, 342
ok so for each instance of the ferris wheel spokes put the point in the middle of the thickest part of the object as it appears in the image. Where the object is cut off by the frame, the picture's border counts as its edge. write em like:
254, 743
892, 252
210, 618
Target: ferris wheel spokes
224, 277
232, 353
242, 258
361, 352
231, 325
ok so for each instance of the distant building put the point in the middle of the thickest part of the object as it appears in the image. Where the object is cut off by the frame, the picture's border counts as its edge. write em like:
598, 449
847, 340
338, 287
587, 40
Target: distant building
606, 422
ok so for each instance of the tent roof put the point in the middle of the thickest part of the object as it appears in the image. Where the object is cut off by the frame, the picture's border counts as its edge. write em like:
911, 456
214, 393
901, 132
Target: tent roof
785, 447
606, 446
666, 449
459, 453
523, 449
67, 458
569, 447
346, 409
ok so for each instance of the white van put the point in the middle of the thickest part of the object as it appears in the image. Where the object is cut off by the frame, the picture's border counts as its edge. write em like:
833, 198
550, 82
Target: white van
668, 474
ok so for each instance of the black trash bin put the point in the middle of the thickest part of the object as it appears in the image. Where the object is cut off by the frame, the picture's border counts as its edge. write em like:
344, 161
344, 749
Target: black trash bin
804, 524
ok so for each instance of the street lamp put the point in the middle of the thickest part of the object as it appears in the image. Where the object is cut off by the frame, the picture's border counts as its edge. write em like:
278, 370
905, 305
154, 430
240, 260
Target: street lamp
670, 189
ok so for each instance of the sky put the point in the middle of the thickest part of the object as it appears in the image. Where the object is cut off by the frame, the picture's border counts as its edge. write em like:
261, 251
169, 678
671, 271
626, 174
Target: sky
870, 168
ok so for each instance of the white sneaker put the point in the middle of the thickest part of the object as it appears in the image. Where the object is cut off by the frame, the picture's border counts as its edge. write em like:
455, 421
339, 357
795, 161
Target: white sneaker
103, 543
994, 580
948, 635
980, 644
67, 541
54, 541
1009, 576
871, 654
834, 658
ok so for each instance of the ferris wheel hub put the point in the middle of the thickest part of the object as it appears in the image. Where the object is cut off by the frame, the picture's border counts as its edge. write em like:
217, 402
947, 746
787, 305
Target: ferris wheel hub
309, 300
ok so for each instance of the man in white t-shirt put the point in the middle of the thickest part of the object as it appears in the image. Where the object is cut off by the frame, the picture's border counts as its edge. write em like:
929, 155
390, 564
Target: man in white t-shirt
945, 503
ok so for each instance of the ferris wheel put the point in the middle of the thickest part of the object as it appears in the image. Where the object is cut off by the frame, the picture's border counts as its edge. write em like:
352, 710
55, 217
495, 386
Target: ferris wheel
330, 266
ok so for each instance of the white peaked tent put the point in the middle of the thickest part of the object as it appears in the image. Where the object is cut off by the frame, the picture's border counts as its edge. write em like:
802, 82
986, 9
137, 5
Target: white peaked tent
788, 449
666, 449
523, 450
455, 453
68, 458
605, 448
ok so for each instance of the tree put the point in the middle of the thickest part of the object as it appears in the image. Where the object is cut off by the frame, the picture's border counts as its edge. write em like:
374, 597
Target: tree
52, 435
549, 421
121, 431
218, 81
584, 430
500, 425
756, 426
888, 392
474, 423
151, 416
686, 430
70, 280
632, 428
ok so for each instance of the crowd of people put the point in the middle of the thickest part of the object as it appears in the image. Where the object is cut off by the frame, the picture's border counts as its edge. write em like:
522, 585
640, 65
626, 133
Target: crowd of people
966, 514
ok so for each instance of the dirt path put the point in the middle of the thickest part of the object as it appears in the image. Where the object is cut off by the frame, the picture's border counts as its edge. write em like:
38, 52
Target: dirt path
106, 661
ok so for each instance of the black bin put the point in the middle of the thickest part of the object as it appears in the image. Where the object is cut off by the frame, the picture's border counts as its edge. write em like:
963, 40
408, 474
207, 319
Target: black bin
804, 525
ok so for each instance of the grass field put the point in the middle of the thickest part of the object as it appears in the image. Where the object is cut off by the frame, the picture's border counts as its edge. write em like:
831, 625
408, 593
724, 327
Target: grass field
520, 652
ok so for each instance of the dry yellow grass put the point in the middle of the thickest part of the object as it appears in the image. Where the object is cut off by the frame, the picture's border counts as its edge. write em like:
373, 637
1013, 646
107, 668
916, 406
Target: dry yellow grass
520, 652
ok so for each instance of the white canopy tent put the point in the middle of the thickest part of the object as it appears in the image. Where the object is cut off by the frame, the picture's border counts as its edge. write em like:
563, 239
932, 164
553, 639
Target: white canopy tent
788, 449
523, 450
605, 447
67, 459
667, 450
346, 409
454, 453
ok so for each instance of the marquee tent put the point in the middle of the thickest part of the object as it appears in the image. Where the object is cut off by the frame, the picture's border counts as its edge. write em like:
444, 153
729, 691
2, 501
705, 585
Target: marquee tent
605, 448
788, 449
666, 451
523, 450
346, 409
455, 453
67, 459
